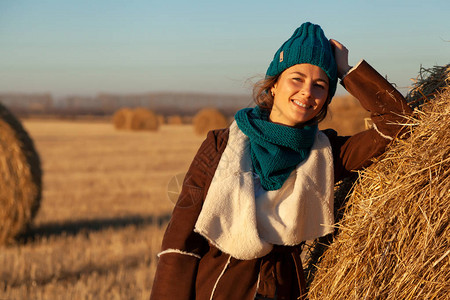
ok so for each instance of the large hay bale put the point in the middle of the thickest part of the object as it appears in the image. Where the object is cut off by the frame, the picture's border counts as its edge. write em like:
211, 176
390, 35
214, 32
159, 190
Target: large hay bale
144, 119
313, 249
208, 119
428, 84
20, 178
122, 118
394, 240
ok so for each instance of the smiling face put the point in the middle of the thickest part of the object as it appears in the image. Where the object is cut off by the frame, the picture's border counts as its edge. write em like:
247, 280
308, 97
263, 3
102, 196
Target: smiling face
299, 94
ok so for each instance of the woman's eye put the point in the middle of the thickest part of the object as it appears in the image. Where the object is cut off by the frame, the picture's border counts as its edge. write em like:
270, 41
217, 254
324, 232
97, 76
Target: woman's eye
321, 86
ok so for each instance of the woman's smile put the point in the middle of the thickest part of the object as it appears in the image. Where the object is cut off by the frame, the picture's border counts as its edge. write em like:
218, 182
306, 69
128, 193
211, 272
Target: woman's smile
300, 104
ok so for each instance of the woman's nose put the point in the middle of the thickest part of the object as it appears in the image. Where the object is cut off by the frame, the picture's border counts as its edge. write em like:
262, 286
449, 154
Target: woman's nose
306, 90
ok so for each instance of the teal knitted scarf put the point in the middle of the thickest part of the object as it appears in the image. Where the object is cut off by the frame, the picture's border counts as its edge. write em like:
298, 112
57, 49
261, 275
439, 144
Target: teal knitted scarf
275, 149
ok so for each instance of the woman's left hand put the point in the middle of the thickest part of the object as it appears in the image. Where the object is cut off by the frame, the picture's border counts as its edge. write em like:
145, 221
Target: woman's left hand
341, 57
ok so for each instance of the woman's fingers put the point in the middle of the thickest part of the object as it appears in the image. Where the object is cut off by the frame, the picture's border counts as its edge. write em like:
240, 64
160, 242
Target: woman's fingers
337, 44
341, 57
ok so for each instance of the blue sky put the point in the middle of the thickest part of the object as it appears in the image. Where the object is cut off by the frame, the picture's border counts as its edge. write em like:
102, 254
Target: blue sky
86, 47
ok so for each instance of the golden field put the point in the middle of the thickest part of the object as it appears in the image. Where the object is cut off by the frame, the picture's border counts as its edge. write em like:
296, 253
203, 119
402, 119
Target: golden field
102, 214
105, 206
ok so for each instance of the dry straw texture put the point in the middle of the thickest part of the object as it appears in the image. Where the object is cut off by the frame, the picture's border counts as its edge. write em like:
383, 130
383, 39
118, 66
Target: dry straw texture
394, 237
428, 83
208, 119
20, 177
314, 249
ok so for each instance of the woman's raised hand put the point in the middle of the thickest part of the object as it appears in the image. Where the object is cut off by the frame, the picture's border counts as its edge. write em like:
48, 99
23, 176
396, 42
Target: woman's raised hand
341, 57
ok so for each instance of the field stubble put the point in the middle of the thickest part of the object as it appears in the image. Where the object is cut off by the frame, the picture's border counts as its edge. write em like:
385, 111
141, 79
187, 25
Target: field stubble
103, 211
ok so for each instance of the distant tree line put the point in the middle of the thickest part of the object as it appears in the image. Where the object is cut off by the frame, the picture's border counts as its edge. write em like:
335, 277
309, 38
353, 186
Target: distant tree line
105, 104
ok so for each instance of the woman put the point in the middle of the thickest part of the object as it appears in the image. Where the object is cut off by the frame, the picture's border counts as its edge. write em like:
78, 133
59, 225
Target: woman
257, 190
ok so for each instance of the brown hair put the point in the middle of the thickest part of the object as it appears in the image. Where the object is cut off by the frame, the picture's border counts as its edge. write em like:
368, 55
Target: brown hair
264, 99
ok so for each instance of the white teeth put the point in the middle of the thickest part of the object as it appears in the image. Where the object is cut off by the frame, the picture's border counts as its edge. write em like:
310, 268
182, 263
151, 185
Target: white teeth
300, 104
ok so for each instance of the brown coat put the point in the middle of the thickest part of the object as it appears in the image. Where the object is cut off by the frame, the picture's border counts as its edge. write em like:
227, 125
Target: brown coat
191, 268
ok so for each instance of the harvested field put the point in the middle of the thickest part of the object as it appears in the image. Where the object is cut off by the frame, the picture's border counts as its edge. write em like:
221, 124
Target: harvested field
103, 211
345, 115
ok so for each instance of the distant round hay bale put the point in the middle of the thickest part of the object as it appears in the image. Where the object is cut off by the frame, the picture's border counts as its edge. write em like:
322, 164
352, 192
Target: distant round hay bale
144, 119
208, 119
20, 178
122, 118
174, 120
394, 239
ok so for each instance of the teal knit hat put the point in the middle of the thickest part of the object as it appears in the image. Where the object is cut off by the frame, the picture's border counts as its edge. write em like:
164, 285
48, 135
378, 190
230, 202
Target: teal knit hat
309, 45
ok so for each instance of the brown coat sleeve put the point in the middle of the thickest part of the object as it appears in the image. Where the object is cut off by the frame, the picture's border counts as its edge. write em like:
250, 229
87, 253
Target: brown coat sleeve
387, 107
182, 247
